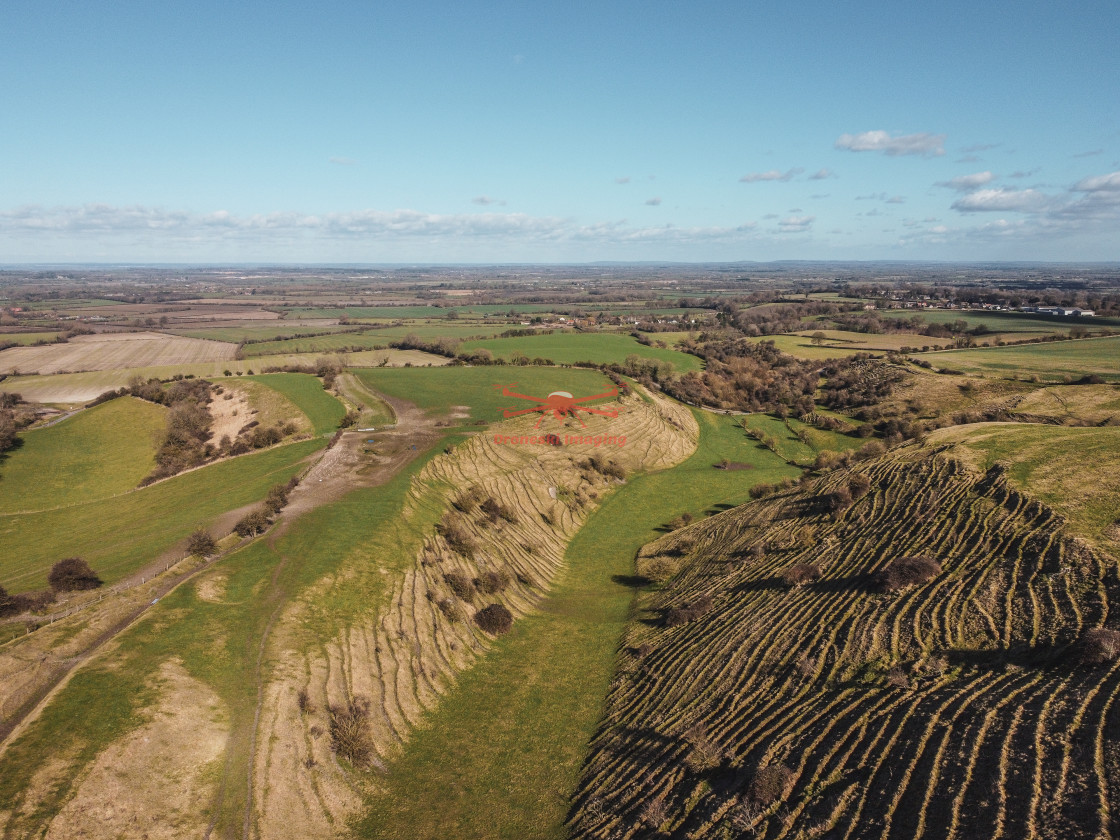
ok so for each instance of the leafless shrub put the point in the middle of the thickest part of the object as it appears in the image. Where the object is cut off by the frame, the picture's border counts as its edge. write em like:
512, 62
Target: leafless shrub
898, 678
461, 585
654, 813
703, 753
859, 485
72, 575
350, 731
201, 544
658, 569
494, 619
457, 537
688, 612
771, 784
316, 731
468, 500
801, 573
907, 571
350, 737
252, 524
449, 609
491, 581
1098, 646
306, 707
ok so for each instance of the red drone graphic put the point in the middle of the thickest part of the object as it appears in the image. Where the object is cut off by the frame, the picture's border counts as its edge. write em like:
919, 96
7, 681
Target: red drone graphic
560, 403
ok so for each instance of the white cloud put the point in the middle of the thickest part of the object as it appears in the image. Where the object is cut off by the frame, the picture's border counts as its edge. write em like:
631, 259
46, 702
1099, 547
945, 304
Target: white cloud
771, 175
896, 199
1002, 200
139, 226
966, 183
1099, 183
821, 174
924, 144
1093, 153
795, 224
653, 202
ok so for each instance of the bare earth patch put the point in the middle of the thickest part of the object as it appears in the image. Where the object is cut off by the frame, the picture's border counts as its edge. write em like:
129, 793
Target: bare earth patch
153, 783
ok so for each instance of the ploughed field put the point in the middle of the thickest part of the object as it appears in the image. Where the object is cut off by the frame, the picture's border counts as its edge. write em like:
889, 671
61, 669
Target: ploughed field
749, 705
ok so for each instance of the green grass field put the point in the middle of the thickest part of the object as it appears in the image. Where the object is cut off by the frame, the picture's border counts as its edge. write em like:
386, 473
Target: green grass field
478, 389
568, 348
1052, 361
306, 391
121, 534
26, 338
1003, 321
261, 332
100, 452
501, 754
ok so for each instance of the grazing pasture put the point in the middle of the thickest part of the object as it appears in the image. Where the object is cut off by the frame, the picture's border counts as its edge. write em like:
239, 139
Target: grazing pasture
475, 392
306, 393
1051, 361
101, 452
569, 348
113, 351
123, 533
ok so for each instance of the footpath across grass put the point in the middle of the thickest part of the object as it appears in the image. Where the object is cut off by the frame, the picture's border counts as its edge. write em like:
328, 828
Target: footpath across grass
501, 754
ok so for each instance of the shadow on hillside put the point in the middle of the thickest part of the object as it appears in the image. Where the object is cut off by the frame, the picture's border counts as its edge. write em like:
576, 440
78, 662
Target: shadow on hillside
631, 581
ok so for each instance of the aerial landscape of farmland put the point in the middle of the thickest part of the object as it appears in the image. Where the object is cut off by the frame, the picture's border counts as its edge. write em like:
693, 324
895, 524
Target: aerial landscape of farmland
551, 421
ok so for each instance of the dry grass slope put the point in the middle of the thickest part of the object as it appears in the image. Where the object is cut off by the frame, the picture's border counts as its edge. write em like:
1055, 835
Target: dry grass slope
954, 707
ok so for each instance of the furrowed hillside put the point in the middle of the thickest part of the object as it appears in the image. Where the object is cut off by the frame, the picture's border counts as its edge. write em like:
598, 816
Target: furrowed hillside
905, 649
374, 651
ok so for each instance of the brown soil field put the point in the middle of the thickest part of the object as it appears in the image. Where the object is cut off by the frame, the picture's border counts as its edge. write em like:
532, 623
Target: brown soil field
113, 351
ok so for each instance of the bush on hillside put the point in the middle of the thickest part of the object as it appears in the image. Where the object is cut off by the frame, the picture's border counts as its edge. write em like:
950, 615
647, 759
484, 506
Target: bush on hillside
801, 573
771, 784
350, 736
494, 619
72, 575
1098, 646
460, 585
491, 582
689, 611
907, 571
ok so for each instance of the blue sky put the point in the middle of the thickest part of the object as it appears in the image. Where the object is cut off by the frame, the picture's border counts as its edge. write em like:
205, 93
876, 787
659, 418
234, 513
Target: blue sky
558, 132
